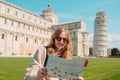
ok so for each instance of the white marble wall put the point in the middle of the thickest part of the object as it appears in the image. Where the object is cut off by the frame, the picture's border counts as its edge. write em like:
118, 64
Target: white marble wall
14, 22
100, 35
24, 31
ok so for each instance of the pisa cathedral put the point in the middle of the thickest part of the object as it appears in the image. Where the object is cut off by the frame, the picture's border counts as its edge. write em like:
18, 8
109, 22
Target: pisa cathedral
22, 32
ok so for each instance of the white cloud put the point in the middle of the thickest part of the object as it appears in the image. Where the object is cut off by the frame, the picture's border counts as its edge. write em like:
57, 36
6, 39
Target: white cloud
90, 40
113, 40
69, 16
90, 18
113, 21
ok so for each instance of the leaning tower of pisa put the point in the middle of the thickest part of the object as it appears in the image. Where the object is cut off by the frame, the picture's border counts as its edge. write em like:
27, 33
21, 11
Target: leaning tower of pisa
100, 35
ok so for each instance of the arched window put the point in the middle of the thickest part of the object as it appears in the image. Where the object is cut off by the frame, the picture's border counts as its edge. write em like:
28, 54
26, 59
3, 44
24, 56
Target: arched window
2, 36
35, 41
16, 38
26, 39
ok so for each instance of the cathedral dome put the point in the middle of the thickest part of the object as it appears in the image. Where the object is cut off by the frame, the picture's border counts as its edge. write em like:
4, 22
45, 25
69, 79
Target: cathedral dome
50, 15
49, 10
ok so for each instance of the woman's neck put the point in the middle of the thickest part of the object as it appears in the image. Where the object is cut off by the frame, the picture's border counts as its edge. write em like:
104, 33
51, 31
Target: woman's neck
57, 53
57, 49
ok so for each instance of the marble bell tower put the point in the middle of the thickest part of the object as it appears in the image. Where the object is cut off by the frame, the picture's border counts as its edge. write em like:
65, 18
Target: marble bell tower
100, 35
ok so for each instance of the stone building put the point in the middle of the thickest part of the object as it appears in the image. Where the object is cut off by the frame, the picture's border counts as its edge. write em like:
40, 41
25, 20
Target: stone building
100, 35
22, 32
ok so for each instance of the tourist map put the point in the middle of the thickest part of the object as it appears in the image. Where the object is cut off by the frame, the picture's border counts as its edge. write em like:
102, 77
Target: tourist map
65, 69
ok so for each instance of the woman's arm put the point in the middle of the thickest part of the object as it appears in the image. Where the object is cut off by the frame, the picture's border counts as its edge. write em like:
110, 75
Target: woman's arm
80, 78
36, 65
42, 73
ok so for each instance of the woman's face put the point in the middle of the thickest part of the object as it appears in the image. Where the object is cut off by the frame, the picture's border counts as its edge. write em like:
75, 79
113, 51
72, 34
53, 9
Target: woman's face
61, 41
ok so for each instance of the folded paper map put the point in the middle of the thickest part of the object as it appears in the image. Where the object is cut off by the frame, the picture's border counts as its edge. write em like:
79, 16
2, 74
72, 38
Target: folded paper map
65, 69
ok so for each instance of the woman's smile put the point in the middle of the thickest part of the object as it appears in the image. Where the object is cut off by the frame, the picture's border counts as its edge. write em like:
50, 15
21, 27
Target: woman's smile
61, 41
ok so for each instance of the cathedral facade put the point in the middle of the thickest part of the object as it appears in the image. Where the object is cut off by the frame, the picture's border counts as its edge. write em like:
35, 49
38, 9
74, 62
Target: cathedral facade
22, 32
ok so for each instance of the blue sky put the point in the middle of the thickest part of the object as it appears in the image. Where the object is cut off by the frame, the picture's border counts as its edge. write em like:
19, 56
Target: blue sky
73, 10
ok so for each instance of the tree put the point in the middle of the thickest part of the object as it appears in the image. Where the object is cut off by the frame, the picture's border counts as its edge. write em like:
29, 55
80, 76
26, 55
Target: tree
114, 51
90, 50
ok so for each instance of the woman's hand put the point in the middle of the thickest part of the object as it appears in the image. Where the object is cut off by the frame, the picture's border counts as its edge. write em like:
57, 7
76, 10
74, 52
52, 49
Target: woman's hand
80, 78
42, 73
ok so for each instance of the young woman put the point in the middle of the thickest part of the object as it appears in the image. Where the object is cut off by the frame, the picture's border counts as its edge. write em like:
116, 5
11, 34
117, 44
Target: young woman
60, 45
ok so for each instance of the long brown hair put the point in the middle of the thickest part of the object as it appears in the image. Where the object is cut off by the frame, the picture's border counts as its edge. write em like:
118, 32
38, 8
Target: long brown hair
67, 51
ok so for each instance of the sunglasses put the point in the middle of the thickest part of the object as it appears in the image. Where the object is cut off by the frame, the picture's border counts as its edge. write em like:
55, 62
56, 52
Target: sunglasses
63, 39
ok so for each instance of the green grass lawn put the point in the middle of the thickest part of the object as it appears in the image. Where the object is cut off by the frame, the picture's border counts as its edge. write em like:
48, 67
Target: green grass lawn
97, 69
13, 68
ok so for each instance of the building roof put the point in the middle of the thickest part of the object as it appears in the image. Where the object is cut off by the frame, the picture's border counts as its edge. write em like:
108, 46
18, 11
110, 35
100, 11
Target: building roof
49, 10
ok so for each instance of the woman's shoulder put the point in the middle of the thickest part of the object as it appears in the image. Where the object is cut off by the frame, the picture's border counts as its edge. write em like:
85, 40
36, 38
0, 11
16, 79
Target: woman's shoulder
40, 51
42, 48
